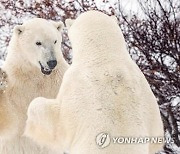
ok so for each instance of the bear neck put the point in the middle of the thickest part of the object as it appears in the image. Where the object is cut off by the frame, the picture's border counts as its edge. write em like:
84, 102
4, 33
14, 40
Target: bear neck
91, 55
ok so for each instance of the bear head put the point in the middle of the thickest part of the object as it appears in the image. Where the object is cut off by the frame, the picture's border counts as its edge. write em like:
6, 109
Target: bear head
39, 41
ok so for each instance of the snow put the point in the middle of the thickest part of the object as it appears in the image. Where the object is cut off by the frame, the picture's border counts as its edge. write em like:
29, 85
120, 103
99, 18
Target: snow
175, 101
38, 1
8, 15
17, 4
1, 62
27, 2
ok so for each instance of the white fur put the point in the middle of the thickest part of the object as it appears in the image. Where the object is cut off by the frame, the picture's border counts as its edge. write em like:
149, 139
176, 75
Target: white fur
26, 81
103, 91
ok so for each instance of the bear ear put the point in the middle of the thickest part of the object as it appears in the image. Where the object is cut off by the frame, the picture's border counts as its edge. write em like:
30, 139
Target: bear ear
69, 23
59, 25
18, 29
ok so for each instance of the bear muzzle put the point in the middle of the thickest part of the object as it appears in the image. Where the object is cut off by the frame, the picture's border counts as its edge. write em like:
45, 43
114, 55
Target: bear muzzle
44, 70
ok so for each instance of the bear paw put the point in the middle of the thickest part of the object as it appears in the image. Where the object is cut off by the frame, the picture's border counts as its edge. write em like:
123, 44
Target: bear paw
3, 80
42, 119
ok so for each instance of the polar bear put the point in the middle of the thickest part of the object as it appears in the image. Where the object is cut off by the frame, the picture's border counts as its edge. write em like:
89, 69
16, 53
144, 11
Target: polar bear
103, 95
34, 67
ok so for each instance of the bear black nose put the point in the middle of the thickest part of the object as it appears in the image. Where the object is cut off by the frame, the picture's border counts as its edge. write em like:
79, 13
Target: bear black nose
52, 63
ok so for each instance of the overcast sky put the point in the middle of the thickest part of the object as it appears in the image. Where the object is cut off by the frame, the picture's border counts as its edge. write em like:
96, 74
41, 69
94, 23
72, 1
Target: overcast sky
128, 6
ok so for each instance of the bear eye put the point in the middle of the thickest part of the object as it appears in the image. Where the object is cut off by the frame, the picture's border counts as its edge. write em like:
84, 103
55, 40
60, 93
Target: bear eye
55, 41
38, 43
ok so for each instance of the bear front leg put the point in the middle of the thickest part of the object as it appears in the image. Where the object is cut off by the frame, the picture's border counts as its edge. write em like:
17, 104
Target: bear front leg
7, 117
43, 116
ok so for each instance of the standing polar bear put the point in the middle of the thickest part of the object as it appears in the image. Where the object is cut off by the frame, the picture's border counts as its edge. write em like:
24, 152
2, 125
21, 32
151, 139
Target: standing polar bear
34, 67
102, 91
